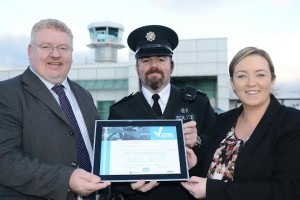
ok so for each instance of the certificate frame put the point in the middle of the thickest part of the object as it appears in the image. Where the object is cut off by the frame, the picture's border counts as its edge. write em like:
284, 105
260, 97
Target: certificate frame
132, 150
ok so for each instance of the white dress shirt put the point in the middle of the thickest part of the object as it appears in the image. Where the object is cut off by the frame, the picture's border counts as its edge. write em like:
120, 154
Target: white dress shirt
164, 96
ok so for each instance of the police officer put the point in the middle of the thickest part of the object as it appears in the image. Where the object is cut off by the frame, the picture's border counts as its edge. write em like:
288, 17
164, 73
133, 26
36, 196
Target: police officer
159, 99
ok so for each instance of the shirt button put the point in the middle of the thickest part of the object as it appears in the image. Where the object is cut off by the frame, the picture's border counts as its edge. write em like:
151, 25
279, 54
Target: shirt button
71, 133
74, 164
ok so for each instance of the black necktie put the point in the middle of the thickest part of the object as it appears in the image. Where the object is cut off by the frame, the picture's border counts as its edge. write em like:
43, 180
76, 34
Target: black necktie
156, 107
82, 153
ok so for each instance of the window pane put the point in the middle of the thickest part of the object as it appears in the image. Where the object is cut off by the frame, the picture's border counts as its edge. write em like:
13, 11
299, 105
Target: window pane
103, 108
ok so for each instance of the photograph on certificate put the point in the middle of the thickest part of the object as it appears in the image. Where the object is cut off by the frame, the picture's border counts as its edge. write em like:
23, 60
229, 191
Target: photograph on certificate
131, 150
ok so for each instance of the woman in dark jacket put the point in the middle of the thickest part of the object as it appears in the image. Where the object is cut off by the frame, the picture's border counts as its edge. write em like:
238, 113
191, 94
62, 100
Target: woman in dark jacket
254, 153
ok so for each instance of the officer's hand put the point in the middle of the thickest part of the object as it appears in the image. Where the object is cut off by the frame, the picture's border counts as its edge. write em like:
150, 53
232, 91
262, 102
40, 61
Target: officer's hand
190, 133
84, 183
142, 186
191, 158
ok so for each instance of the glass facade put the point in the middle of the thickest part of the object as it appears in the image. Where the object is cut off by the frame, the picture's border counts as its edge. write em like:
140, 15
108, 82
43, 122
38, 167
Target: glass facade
103, 108
93, 85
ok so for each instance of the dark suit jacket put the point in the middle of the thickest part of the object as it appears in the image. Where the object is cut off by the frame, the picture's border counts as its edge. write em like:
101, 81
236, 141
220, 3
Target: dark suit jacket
36, 147
136, 107
267, 168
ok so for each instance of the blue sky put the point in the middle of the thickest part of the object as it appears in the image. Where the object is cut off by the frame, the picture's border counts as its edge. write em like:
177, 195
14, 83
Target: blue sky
272, 25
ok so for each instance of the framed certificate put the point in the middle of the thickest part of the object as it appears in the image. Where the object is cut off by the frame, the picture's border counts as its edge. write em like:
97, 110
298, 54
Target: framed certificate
132, 150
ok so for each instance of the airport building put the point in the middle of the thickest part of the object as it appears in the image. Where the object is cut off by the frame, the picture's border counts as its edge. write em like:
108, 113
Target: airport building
201, 63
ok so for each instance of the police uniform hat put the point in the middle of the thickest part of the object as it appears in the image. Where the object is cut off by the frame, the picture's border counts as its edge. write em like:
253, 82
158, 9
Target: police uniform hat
152, 40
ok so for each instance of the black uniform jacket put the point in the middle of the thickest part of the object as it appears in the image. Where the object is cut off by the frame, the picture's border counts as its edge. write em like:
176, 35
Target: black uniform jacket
268, 166
136, 107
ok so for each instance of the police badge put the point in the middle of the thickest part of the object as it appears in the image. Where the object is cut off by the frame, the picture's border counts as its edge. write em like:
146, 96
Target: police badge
184, 113
150, 36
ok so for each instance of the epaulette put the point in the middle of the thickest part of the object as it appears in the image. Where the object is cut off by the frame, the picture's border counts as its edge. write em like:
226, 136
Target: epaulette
201, 93
124, 99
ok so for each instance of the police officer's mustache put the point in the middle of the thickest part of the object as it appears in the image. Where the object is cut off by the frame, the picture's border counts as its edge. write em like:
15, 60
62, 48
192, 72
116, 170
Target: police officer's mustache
154, 70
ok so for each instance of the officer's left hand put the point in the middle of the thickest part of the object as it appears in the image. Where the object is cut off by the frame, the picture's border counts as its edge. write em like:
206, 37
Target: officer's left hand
190, 133
191, 158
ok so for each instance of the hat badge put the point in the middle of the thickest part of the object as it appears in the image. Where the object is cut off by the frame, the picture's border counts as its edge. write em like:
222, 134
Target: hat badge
150, 36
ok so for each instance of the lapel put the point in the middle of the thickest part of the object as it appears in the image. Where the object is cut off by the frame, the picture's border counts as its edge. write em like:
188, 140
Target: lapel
173, 104
138, 108
146, 109
224, 123
36, 87
263, 128
86, 107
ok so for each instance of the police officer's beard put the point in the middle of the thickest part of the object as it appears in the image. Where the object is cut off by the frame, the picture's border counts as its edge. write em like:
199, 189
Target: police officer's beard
154, 83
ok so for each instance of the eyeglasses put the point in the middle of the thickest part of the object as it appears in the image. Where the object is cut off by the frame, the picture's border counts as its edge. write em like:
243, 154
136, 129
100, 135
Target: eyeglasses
62, 49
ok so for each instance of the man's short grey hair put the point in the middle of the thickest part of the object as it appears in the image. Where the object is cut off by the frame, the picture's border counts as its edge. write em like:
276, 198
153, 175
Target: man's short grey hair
50, 24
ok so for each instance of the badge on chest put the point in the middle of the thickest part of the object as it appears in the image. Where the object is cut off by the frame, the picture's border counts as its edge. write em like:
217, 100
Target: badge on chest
185, 112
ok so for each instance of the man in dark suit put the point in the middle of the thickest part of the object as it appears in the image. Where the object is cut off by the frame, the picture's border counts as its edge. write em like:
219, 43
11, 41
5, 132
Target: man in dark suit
39, 151
154, 47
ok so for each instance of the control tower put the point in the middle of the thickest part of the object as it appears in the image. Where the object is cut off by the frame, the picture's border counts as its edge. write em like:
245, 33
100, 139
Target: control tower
106, 38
